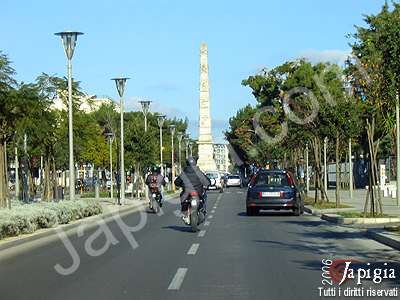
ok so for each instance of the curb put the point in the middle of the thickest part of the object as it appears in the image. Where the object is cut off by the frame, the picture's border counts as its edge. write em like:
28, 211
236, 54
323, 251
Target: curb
47, 232
313, 212
385, 237
318, 213
337, 219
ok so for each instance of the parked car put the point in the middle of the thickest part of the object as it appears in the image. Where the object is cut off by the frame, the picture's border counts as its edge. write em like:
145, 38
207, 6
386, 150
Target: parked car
233, 180
215, 178
274, 190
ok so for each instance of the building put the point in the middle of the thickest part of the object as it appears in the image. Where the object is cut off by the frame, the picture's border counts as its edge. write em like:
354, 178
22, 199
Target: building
221, 157
88, 103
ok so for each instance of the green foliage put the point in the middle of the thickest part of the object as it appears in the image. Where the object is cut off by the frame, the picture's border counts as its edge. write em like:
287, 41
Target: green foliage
30, 217
309, 101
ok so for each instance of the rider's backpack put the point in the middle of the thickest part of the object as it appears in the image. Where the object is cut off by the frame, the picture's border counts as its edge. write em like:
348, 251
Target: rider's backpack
153, 184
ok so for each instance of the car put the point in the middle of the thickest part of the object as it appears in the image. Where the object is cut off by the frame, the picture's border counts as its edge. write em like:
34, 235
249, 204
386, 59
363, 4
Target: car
274, 190
215, 178
233, 180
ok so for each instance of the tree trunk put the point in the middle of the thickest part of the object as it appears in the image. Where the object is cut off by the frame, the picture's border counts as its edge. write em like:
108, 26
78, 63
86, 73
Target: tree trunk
47, 180
337, 191
55, 182
375, 199
3, 184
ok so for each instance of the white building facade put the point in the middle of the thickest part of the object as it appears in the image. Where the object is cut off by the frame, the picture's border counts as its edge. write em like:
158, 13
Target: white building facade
221, 157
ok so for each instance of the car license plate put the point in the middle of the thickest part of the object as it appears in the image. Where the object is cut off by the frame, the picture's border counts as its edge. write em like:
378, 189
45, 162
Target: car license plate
194, 203
270, 194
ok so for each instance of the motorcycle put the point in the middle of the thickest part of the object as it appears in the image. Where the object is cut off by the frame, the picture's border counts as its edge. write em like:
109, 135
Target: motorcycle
196, 210
155, 202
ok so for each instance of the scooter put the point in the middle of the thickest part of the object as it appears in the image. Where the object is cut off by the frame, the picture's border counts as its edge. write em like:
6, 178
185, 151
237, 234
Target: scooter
195, 210
155, 202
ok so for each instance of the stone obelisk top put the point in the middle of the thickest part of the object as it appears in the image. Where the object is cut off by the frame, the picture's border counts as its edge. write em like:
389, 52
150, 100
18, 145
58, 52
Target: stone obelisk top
206, 151
205, 109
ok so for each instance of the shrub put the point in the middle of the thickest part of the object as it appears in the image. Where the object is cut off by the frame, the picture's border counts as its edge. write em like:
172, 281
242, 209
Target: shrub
27, 218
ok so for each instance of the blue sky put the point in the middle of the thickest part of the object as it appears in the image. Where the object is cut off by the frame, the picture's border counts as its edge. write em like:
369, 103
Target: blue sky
156, 43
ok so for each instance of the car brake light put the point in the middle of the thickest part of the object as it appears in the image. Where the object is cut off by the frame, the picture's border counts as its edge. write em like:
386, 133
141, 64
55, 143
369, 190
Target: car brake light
282, 194
193, 194
260, 195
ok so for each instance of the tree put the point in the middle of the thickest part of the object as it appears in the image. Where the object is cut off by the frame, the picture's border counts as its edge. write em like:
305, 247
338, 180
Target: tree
12, 110
374, 77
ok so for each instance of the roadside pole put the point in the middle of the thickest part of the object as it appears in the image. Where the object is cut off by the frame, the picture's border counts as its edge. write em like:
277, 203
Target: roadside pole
350, 171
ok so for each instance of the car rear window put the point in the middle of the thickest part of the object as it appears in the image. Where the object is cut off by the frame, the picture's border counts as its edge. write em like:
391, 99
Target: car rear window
212, 175
272, 179
234, 177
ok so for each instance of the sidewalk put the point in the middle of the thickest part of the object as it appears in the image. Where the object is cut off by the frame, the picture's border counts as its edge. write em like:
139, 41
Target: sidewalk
374, 230
358, 200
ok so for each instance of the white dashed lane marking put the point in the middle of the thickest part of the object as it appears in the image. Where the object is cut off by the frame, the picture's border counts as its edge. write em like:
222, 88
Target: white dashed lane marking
206, 223
178, 279
193, 249
210, 216
201, 233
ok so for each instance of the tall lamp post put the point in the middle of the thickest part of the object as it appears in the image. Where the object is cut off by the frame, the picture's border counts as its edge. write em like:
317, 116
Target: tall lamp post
397, 151
325, 166
120, 84
160, 121
191, 148
307, 175
110, 136
145, 109
179, 135
172, 129
69, 39
187, 143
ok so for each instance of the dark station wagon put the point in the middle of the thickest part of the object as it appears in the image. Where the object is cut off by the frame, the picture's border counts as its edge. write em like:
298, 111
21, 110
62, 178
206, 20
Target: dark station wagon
274, 190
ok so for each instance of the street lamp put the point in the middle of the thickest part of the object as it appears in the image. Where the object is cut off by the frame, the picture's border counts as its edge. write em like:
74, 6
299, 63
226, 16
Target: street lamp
120, 84
307, 175
397, 150
172, 129
145, 110
187, 142
179, 135
69, 39
191, 148
160, 121
110, 136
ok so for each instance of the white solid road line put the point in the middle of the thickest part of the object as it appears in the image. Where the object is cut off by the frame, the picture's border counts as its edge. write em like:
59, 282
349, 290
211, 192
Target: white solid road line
207, 223
178, 279
193, 249
201, 233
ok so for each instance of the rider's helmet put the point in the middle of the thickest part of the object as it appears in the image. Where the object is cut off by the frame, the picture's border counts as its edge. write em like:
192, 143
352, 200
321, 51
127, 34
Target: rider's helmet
154, 169
190, 161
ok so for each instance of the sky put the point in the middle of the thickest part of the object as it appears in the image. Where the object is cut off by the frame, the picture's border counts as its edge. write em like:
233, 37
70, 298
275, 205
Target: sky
157, 44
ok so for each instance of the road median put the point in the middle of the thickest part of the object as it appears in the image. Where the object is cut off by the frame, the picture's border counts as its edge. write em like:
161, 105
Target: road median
109, 212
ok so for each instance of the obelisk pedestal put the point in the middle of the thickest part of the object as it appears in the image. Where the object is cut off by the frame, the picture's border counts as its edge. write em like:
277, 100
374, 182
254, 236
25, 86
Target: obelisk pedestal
205, 144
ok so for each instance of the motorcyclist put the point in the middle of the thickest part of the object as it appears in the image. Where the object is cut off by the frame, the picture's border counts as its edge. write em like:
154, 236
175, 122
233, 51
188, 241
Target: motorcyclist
155, 181
192, 179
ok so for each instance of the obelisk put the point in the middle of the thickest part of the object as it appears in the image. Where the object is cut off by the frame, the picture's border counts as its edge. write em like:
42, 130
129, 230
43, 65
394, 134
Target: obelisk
205, 144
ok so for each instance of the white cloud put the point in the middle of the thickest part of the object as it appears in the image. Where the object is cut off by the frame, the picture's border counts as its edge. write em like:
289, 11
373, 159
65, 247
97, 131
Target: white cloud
333, 56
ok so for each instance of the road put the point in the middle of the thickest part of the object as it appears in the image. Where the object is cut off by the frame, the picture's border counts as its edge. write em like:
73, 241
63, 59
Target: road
271, 256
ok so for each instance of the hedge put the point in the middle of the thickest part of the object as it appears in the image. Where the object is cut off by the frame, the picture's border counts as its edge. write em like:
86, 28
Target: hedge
27, 218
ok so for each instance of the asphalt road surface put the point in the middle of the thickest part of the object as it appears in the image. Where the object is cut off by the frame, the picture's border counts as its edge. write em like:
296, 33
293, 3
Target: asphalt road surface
271, 256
